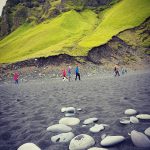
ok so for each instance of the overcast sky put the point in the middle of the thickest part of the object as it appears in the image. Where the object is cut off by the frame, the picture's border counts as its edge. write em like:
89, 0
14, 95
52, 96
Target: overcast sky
2, 3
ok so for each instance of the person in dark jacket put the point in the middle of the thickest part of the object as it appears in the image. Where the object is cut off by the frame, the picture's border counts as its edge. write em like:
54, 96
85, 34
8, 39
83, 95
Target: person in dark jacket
77, 72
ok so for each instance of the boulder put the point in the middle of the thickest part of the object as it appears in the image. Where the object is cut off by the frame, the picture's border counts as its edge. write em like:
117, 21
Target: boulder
112, 140
143, 116
97, 128
130, 112
147, 131
59, 128
62, 138
28, 146
80, 142
70, 121
90, 120
134, 120
139, 139
68, 109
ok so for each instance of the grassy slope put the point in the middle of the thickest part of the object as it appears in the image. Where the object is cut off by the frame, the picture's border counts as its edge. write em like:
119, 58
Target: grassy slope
72, 33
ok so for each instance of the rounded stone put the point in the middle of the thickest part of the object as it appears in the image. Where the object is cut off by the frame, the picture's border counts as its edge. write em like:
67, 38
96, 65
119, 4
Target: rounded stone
28, 146
134, 120
139, 139
97, 128
97, 148
125, 120
90, 120
69, 114
130, 112
80, 142
68, 109
112, 140
147, 131
70, 121
62, 138
143, 116
59, 128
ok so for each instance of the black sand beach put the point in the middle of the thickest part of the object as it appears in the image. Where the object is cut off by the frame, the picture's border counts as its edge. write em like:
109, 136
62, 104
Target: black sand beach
27, 109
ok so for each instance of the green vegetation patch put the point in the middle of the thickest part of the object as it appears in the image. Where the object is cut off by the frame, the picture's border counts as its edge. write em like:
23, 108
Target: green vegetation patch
72, 32
51, 37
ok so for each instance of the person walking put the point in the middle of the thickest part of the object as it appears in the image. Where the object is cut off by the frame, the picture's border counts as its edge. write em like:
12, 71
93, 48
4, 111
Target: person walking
116, 70
16, 77
69, 73
77, 73
64, 74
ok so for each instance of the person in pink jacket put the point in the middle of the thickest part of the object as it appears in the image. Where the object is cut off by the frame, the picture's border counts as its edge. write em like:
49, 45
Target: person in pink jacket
16, 77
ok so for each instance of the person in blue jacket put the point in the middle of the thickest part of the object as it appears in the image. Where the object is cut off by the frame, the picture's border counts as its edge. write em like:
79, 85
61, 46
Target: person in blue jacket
77, 72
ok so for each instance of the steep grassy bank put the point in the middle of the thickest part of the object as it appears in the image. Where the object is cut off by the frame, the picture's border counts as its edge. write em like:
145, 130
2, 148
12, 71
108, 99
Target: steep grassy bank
72, 32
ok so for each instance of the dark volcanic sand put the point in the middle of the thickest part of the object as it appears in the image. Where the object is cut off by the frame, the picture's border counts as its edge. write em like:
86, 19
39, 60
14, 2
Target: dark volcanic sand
28, 109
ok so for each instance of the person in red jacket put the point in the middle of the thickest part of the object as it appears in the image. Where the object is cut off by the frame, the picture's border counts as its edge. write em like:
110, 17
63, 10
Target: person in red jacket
64, 74
16, 77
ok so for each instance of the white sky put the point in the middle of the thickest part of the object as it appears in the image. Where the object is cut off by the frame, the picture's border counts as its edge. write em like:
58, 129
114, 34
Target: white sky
2, 3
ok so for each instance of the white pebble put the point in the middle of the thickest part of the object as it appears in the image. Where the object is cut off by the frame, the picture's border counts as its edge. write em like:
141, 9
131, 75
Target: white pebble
134, 120
90, 120
130, 112
97, 128
62, 138
59, 128
112, 140
143, 116
28, 146
70, 121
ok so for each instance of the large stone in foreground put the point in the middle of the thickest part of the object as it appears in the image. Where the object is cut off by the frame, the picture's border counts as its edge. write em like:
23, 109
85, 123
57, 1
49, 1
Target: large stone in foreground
81, 142
70, 121
28, 146
90, 120
147, 131
143, 116
62, 138
130, 112
112, 140
139, 139
59, 128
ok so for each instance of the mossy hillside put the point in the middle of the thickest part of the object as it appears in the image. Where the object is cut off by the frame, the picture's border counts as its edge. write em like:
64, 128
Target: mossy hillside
52, 37
124, 15
72, 32
138, 37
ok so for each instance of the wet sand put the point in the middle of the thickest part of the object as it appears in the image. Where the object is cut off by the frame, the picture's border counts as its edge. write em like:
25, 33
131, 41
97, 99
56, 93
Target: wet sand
27, 109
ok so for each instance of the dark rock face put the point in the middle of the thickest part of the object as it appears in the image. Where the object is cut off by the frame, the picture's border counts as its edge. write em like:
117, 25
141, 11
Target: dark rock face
17, 12
115, 48
120, 50
88, 2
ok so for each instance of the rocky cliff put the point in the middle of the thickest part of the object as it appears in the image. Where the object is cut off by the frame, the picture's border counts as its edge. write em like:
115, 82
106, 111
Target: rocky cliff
17, 12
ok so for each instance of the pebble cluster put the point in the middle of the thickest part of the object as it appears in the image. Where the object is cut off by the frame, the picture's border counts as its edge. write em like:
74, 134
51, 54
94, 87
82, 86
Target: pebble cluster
65, 126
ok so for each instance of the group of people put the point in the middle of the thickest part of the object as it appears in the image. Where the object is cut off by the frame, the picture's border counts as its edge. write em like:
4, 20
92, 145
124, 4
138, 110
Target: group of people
67, 75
